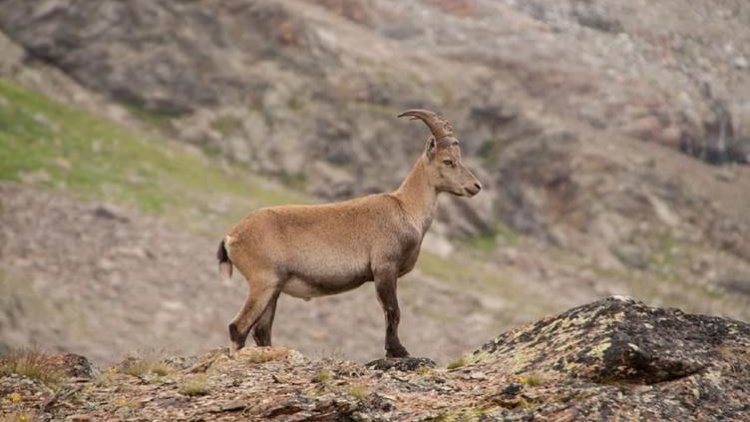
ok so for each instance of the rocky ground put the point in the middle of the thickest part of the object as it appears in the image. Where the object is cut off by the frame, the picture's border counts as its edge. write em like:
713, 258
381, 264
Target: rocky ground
577, 117
614, 359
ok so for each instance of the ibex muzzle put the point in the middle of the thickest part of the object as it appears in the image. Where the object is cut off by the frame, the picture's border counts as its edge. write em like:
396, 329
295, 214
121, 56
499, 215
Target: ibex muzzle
316, 250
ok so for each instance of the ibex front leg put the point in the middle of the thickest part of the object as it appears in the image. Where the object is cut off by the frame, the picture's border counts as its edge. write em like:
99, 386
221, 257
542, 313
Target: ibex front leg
385, 284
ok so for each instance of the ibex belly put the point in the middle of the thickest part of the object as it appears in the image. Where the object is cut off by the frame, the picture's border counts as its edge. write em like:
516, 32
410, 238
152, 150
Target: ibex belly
304, 289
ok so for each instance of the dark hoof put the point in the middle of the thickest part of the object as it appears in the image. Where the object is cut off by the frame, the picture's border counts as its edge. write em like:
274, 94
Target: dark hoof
396, 352
401, 364
261, 339
237, 338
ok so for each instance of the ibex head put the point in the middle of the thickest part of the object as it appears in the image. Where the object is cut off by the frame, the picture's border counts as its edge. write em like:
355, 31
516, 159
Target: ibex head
443, 156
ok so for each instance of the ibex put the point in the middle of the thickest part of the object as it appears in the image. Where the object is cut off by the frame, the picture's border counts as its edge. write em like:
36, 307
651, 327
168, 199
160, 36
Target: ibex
316, 250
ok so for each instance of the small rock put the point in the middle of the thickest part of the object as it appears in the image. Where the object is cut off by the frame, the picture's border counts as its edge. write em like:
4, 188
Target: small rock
512, 390
72, 365
741, 63
230, 406
477, 375
110, 212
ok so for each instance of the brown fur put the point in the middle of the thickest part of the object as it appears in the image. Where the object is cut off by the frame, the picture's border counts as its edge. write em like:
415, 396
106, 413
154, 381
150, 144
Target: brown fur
316, 250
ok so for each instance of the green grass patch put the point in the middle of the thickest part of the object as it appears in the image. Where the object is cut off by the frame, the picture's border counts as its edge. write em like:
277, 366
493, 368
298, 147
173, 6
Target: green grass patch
464, 272
296, 181
665, 260
46, 143
458, 363
323, 377
483, 243
500, 235
506, 234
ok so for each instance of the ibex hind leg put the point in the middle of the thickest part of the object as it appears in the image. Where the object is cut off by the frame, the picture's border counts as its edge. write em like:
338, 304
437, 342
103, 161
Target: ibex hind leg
262, 329
263, 291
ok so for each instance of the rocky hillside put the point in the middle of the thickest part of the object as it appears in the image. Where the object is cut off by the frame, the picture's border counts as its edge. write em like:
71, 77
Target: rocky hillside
546, 96
614, 359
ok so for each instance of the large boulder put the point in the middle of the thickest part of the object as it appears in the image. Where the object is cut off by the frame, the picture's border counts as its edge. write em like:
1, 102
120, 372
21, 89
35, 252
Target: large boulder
619, 358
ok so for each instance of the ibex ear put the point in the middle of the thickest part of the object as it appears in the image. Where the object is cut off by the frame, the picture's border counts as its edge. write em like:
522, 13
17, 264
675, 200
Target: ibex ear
429, 149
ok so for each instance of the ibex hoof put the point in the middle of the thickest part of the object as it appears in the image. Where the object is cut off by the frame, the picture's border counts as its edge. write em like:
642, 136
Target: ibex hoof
238, 340
397, 352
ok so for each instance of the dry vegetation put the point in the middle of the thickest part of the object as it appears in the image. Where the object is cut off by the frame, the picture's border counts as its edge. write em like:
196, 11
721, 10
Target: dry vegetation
195, 385
30, 363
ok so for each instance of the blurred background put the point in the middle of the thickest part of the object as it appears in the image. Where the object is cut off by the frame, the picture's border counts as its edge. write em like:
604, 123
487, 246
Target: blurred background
612, 138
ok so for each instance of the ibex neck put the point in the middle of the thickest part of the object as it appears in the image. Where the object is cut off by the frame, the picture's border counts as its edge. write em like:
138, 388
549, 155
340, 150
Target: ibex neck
418, 196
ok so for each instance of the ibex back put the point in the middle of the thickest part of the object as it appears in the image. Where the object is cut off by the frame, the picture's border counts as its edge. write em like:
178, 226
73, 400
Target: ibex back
315, 250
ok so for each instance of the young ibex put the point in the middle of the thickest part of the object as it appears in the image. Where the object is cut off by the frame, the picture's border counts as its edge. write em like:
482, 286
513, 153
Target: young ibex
315, 250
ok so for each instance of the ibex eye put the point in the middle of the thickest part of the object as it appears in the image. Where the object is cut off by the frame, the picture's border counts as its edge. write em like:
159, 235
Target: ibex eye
448, 162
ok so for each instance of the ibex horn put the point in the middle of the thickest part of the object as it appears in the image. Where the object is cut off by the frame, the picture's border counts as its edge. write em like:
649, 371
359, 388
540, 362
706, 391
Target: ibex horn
439, 127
